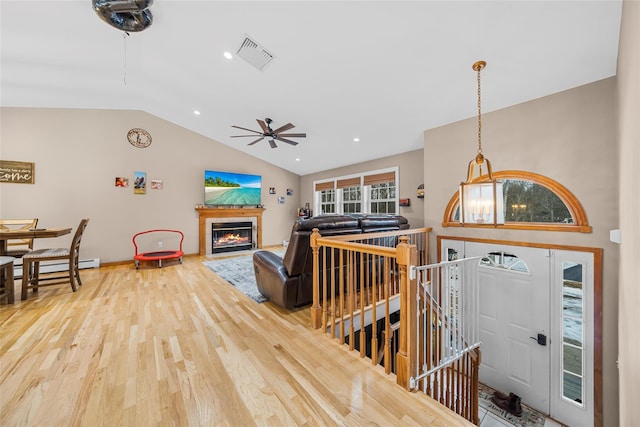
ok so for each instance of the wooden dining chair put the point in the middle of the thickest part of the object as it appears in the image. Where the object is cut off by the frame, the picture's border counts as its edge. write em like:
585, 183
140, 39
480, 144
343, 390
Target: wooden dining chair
6, 278
31, 265
18, 247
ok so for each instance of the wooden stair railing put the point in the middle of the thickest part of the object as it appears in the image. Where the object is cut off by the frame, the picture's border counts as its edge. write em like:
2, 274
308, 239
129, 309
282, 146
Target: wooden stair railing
373, 279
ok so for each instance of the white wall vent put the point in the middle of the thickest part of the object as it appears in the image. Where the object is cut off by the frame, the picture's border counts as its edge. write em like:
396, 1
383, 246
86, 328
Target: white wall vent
254, 54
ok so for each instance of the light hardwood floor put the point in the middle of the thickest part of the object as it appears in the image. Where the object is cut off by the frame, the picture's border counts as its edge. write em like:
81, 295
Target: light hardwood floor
178, 346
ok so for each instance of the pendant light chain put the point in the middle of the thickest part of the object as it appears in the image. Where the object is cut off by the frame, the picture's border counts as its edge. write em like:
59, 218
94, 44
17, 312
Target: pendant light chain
479, 68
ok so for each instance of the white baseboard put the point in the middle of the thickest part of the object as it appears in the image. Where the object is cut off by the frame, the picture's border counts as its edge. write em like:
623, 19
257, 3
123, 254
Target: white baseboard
52, 267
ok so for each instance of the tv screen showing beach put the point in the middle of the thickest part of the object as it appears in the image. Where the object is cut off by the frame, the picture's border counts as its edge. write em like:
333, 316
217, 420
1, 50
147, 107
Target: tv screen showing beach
228, 188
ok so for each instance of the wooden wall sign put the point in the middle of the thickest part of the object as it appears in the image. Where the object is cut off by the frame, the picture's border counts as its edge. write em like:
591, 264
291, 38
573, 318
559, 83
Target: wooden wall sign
17, 172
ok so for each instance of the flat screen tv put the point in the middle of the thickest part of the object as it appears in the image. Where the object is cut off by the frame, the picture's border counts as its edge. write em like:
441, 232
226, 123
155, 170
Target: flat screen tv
231, 189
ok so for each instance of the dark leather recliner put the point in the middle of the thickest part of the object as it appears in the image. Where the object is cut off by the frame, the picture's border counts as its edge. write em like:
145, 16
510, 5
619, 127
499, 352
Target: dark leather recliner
288, 281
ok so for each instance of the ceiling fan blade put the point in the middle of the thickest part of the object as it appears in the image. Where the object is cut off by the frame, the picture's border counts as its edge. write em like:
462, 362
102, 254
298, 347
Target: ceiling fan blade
243, 136
284, 128
263, 126
294, 135
257, 140
272, 143
286, 140
250, 130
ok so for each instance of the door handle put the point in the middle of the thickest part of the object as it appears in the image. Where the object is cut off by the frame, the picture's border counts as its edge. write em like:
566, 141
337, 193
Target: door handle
542, 339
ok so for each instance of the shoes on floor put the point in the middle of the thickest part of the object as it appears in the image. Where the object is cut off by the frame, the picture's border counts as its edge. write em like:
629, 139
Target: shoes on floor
510, 403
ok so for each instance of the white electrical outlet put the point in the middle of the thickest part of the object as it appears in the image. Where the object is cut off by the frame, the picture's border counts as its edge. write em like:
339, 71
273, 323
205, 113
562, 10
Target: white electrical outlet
159, 244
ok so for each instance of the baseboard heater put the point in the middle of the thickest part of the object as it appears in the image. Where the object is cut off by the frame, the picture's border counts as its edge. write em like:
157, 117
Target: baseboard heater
52, 267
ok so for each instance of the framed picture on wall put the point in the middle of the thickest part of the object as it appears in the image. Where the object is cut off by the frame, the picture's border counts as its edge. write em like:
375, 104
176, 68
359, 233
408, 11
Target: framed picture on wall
139, 182
17, 172
122, 182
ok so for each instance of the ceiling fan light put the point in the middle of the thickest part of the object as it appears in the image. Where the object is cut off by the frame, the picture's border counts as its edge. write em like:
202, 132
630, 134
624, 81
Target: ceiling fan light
266, 132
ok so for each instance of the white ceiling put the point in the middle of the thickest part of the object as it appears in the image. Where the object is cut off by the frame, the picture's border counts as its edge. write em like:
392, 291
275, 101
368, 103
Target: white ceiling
382, 71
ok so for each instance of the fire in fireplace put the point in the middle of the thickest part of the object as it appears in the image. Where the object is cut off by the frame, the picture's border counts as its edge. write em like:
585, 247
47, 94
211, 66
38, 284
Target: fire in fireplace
231, 236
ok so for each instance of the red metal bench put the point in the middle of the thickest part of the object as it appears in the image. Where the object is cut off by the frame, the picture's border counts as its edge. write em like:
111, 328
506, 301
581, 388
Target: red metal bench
169, 240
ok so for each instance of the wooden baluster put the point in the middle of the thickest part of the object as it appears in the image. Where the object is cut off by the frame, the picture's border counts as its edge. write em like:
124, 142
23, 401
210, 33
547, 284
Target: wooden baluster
475, 366
315, 308
351, 294
387, 317
374, 323
324, 290
465, 396
363, 291
341, 293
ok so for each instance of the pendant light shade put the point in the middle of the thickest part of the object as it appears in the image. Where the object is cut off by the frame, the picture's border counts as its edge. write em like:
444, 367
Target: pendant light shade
481, 197
481, 201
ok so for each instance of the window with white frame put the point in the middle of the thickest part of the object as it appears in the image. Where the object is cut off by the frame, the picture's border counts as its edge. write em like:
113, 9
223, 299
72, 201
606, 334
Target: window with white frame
351, 200
327, 201
370, 192
383, 198
350, 195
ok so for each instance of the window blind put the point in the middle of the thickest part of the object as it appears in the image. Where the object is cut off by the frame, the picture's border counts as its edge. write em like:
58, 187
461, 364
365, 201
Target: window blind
380, 178
321, 186
349, 182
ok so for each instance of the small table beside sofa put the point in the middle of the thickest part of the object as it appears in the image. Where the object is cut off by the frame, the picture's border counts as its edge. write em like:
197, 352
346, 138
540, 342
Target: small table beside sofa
288, 281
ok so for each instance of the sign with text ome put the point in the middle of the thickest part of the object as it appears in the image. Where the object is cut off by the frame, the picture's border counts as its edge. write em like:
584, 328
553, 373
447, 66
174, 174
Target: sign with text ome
17, 172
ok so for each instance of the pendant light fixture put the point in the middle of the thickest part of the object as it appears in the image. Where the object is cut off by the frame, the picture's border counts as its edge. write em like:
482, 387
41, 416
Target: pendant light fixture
481, 197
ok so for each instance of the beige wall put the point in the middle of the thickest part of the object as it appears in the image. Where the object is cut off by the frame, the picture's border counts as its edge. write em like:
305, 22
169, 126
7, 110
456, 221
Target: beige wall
410, 171
77, 155
629, 136
570, 137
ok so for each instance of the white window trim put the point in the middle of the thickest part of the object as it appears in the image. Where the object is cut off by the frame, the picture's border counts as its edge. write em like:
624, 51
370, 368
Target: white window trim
365, 190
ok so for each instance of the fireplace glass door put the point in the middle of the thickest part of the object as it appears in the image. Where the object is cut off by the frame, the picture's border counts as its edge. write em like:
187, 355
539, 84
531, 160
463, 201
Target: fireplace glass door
231, 236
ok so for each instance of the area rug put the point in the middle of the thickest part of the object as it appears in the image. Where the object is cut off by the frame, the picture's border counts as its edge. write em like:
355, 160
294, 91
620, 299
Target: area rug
238, 271
530, 417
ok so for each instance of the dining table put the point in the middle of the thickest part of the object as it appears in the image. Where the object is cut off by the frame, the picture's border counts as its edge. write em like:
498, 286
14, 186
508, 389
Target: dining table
33, 233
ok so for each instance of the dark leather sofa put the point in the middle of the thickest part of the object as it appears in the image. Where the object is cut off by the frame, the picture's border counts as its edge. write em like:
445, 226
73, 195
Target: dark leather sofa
288, 281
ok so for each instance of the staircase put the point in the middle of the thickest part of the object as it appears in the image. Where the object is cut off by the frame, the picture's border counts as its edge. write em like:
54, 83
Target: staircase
434, 347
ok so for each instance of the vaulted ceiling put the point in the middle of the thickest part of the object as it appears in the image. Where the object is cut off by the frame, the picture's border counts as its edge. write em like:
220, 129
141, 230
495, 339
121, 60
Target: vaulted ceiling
380, 71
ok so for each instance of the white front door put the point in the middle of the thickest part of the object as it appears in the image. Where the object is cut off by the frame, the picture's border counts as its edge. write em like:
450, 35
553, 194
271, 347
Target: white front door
526, 291
514, 320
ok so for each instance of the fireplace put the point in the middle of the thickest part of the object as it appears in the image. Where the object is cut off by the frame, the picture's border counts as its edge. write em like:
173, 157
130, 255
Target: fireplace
231, 236
208, 215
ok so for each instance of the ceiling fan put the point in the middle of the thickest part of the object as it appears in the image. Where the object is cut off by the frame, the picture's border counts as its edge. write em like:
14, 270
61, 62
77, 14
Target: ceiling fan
267, 132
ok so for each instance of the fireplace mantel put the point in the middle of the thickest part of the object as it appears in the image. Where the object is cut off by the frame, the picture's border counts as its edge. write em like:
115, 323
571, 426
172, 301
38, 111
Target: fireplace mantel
204, 213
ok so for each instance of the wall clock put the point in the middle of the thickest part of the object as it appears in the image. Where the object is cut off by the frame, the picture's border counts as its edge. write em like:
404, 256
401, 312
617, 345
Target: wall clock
139, 137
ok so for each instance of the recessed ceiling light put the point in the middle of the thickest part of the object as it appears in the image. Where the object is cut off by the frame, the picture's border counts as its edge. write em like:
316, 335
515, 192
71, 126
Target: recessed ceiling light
297, 159
356, 139
196, 112
228, 55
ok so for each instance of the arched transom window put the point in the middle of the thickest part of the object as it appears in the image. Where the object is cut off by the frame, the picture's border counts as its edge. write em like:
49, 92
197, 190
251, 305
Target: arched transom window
531, 201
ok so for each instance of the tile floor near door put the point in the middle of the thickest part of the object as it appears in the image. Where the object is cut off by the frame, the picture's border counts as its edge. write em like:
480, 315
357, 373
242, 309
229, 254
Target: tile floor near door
487, 419
492, 416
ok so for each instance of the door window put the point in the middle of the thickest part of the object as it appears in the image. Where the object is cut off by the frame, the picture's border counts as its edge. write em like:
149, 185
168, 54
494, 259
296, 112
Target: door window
504, 261
572, 332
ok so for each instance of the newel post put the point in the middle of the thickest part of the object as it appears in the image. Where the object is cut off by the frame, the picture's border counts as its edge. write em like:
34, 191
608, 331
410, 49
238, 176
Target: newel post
316, 310
406, 358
